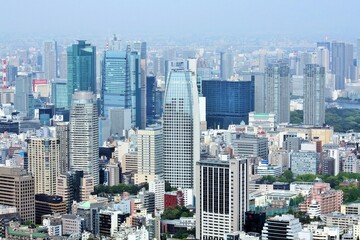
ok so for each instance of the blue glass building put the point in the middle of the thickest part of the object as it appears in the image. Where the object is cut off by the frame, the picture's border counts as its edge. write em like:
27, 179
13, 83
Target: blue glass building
81, 59
120, 82
59, 93
227, 102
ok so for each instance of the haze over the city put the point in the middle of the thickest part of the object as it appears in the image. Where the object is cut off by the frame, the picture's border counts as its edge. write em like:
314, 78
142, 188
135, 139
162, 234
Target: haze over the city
300, 19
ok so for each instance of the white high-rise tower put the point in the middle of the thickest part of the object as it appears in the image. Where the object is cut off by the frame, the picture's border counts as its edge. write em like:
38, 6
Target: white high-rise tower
181, 128
314, 97
84, 134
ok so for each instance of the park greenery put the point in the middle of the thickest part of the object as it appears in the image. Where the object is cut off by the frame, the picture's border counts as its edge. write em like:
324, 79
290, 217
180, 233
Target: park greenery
176, 212
342, 120
120, 188
351, 192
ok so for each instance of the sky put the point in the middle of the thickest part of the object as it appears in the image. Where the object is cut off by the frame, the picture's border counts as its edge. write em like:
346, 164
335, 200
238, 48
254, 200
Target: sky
300, 18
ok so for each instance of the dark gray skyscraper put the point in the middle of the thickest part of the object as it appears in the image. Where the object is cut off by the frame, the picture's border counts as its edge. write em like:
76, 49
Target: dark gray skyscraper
226, 65
24, 99
81, 68
277, 91
314, 98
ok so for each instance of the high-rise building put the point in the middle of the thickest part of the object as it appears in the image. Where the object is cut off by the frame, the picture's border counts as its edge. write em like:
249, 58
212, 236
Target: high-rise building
314, 97
17, 190
342, 63
62, 133
49, 60
24, 99
227, 102
323, 58
158, 187
150, 154
151, 99
63, 65
120, 83
277, 91
140, 48
222, 197
84, 133
59, 93
44, 164
81, 68
283, 227
226, 65
181, 129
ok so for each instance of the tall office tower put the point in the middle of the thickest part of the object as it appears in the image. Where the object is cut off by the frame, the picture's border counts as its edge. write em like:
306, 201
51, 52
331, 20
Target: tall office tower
63, 65
222, 197
227, 102
84, 133
24, 99
17, 190
140, 48
120, 81
62, 133
323, 58
49, 57
11, 73
174, 65
349, 62
181, 129
226, 65
314, 97
151, 99
277, 91
150, 155
283, 227
59, 93
81, 68
44, 164
341, 64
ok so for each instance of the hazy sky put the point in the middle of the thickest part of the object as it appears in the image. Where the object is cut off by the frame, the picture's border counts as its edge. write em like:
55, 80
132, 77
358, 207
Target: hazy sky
303, 18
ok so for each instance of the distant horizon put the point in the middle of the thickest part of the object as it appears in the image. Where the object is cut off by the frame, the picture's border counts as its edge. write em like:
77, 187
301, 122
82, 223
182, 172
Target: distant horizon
306, 19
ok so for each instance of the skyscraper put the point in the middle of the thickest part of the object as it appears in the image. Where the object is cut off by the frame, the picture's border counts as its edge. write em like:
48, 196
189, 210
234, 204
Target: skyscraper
17, 189
227, 102
62, 133
49, 57
222, 197
44, 164
226, 65
140, 48
24, 99
277, 91
84, 133
342, 63
120, 83
150, 155
151, 99
181, 128
314, 97
59, 93
81, 68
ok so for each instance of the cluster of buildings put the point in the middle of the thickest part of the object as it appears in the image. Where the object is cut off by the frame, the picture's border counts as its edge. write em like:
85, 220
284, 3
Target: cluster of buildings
186, 132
